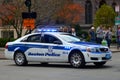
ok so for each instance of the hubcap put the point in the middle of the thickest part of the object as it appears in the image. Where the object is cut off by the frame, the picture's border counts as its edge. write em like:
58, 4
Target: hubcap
19, 58
76, 60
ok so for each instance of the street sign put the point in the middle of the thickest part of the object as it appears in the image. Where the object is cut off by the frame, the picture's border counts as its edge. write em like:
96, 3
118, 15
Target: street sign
117, 20
29, 23
29, 15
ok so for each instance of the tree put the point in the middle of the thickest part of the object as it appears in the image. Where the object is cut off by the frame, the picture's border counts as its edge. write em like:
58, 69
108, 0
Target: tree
47, 9
45, 12
10, 13
105, 16
70, 13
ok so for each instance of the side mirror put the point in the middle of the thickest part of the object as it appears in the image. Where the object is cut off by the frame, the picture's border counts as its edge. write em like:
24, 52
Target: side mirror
57, 42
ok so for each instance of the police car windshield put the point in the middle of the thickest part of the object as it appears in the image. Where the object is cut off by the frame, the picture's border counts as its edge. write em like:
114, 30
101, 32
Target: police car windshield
69, 38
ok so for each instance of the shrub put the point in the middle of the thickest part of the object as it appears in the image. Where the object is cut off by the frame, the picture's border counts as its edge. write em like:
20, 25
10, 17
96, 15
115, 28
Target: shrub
3, 41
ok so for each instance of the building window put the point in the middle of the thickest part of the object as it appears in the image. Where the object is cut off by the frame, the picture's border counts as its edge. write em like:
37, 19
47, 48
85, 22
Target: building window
102, 2
7, 34
88, 12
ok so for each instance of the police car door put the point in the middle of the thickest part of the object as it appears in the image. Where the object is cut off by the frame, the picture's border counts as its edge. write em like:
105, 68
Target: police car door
53, 51
35, 50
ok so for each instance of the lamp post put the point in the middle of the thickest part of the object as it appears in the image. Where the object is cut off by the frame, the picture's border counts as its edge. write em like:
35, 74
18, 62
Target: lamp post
117, 9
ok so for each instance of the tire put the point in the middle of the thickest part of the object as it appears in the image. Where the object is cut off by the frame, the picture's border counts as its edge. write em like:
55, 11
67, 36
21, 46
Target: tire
20, 59
99, 64
77, 60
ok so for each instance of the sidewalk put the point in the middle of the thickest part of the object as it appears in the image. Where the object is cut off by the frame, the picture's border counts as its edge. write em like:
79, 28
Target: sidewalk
2, 53
113, 49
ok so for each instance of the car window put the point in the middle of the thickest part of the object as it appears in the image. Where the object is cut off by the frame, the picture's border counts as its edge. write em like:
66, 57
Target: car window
24, 39
69, 38
34, 38
49, 39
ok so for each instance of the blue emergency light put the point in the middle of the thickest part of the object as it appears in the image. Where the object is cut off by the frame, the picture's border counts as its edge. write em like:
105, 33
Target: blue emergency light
47, 30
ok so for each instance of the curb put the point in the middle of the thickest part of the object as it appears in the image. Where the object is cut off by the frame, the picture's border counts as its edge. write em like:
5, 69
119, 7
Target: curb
3, 58
115, 51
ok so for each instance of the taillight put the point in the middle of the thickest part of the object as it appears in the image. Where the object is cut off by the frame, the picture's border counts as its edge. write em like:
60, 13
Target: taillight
6, 46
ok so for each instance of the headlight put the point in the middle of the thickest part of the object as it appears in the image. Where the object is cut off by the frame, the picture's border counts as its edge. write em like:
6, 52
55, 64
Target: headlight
89, 49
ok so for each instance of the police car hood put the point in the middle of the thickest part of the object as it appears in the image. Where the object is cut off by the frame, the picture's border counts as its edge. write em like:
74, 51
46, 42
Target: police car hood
87, 44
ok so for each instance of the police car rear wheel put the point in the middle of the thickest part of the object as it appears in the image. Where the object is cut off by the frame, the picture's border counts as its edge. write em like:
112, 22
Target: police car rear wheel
99, 64
77, 60
20, 59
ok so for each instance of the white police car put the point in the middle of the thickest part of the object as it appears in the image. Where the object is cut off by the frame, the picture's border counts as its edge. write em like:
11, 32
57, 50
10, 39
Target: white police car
47, 47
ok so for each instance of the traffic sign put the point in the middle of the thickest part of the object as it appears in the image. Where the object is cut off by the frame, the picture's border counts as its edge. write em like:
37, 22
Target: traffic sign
29, 23
117, 20
29, 15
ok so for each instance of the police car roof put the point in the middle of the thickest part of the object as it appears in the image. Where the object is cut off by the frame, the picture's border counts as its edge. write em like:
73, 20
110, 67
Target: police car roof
54, 33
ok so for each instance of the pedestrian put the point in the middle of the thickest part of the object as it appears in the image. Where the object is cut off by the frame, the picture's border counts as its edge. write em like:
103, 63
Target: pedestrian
92, 34
108, 36
118, 37
99, 34
61, 29
65, 29
73, 32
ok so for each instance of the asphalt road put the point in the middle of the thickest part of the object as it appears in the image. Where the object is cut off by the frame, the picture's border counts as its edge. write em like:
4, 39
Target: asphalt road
36, 71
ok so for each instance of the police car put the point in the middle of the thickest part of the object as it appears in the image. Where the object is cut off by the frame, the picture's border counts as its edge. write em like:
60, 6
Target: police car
48, 47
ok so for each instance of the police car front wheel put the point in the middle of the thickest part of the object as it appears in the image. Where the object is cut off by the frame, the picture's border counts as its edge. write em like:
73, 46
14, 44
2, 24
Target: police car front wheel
20, 59
77, 59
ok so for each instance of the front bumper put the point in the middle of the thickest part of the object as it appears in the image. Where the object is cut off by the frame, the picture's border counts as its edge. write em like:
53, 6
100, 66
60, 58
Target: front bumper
92, 57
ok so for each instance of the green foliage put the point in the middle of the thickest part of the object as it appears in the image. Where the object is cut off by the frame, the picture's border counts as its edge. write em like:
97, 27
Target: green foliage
83, 34
77, 29
3, 41
105, 16
80, 33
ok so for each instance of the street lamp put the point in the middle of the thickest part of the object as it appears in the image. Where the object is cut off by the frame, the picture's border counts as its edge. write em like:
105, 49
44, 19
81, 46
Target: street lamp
28, 4
117, 9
